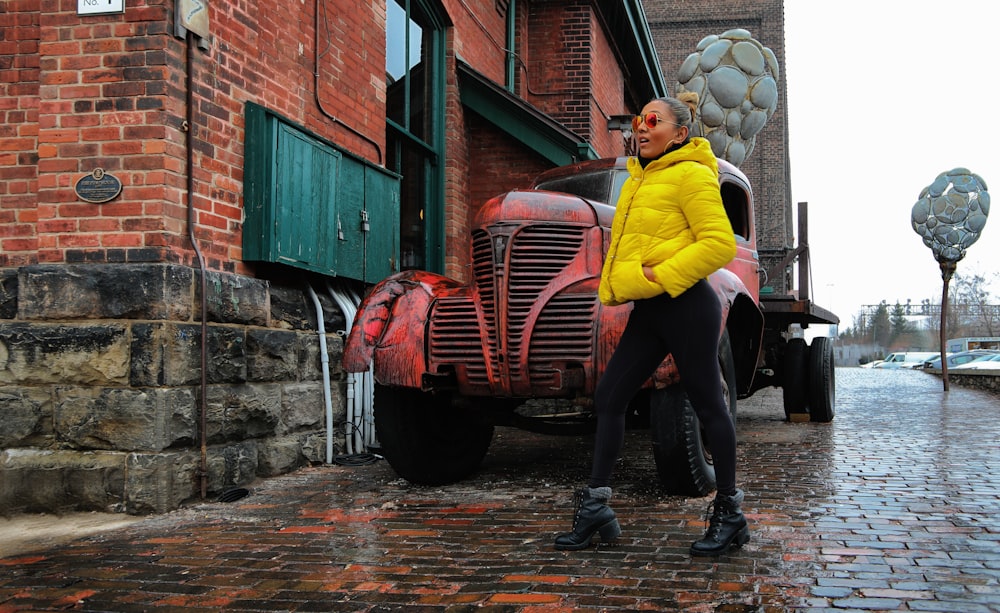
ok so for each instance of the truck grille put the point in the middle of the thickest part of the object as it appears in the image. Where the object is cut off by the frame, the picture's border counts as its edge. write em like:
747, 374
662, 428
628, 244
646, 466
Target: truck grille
515, 269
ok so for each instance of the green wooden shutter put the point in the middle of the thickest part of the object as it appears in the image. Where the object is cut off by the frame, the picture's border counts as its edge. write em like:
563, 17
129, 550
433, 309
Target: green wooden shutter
311, 205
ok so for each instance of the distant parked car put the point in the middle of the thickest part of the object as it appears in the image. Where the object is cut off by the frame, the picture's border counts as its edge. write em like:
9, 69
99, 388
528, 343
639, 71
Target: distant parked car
989, 362
959, 358
905, 359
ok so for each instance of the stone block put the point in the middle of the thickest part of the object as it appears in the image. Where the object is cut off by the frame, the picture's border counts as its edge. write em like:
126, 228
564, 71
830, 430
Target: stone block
238, 412
170, 354
25, 417
335, 348
291, 308
273, 355
89, 354
227, 360
33, 480
8, 293
105, 291
314, 446
310, 366
303, 408
160, 482
235, 299
147, 368
125, 419
279, 456
232, 465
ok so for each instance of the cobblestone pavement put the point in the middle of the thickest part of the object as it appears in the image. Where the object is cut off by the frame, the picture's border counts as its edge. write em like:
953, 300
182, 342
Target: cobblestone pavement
893, 506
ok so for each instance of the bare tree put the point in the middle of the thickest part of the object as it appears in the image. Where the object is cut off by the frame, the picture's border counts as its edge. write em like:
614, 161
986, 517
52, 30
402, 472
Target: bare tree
971, 293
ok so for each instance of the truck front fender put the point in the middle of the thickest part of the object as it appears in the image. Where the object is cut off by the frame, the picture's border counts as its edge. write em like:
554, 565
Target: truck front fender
742, 316
390, 327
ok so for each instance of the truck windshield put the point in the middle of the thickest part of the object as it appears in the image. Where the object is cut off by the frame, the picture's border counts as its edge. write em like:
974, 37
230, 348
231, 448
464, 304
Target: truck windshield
602, 186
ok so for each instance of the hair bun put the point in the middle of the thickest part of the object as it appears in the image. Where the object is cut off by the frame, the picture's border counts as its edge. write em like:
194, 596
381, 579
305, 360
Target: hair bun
691, 100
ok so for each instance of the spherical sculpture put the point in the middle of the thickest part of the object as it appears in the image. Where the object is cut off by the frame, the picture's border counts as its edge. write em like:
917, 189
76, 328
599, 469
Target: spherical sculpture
736, 81
951, 213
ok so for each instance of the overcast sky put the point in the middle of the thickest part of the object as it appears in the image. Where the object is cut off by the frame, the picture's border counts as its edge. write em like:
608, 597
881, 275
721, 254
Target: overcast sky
883, 96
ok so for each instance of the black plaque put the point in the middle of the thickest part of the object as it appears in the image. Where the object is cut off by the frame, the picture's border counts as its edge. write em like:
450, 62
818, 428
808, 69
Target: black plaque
98, 187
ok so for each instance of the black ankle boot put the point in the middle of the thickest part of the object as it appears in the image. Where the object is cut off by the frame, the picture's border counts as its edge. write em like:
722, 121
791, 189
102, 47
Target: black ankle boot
727, 527
592, 515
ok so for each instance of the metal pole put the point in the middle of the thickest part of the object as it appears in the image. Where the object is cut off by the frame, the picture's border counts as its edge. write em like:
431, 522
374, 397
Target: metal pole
947, 270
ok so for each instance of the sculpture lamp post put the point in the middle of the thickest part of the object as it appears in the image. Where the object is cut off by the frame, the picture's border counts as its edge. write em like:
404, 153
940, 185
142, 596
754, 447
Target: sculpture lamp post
950, 216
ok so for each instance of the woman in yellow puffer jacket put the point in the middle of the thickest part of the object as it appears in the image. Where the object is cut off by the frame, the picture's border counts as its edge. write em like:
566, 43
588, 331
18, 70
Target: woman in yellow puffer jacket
670, 232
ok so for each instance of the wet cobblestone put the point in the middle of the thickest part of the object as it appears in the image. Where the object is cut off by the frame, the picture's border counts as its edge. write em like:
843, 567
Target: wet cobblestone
893, 506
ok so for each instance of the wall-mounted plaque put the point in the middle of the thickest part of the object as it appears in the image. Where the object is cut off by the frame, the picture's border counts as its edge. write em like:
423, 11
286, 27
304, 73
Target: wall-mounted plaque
98, 187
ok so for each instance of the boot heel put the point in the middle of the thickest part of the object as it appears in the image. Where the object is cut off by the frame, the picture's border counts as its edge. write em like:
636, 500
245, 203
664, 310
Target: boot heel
742, 537
612, 530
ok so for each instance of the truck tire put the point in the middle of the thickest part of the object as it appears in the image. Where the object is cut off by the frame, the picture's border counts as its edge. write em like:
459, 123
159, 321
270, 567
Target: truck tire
425, 439
795, 377
822, 394
683, 460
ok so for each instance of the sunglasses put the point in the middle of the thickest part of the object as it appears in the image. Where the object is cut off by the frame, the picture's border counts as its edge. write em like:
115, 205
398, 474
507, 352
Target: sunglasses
651, 120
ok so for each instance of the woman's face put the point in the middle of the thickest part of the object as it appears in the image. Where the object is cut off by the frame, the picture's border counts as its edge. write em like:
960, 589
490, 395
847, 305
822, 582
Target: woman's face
654, 141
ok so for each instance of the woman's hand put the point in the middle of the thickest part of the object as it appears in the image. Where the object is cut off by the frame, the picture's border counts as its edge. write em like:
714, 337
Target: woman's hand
648, 272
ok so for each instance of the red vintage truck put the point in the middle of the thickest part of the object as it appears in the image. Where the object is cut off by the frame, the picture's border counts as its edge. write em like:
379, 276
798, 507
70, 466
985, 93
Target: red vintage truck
524, 342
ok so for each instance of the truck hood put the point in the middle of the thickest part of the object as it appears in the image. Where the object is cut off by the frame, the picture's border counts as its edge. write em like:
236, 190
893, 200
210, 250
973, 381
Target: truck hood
544, 206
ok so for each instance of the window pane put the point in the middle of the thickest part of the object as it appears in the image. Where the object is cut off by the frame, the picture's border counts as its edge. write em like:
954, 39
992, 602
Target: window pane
397, 60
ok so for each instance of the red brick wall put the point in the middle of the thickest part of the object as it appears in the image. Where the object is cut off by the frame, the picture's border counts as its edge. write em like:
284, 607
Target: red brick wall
607, 94
557, 69
480, 35
19, 84
109, 91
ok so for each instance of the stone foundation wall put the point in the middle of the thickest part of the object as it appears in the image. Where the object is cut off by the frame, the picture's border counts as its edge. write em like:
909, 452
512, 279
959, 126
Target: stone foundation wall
100, 374
988, 380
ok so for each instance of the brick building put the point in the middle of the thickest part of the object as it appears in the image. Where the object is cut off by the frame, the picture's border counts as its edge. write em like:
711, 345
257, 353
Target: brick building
189, 191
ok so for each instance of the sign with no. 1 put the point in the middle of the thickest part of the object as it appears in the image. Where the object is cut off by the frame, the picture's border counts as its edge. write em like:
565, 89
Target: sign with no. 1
99, 7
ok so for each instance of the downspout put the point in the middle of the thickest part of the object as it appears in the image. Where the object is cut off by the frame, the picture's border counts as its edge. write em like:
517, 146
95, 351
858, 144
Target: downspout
319, 101
189, 168
324, 358
511, 41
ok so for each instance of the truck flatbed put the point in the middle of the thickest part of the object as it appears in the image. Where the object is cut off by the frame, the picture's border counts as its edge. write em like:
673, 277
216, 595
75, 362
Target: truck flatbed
786, 309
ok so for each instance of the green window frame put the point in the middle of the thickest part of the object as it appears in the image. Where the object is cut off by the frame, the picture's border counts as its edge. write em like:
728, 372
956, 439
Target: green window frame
415, 115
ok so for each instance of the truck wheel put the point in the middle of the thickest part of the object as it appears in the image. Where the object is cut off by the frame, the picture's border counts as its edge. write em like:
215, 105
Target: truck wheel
794, 378
683, 459
821, 380
425, 439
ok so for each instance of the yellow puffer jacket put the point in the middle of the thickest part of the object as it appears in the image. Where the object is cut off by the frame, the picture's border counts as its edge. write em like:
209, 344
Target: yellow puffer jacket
669, 217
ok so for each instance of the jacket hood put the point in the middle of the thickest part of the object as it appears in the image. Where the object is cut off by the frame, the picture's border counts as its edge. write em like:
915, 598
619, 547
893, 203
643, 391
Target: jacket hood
697, 150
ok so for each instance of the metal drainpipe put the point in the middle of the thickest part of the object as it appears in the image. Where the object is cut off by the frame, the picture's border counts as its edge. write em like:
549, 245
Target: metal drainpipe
319, 101
511, 41
189, 163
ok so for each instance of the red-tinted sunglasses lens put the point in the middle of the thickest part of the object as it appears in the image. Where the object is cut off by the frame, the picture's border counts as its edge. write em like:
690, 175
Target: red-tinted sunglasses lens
650, 119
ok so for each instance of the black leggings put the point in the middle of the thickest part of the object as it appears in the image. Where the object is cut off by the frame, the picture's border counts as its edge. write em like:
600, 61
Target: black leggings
687, 327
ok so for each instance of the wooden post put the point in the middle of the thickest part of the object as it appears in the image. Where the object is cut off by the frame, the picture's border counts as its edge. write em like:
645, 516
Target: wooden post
804, 256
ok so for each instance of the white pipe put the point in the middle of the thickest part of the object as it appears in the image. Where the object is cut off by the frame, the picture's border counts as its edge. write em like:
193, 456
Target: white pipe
350, 436
325, 360
360, 434
366, 396
352, 444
